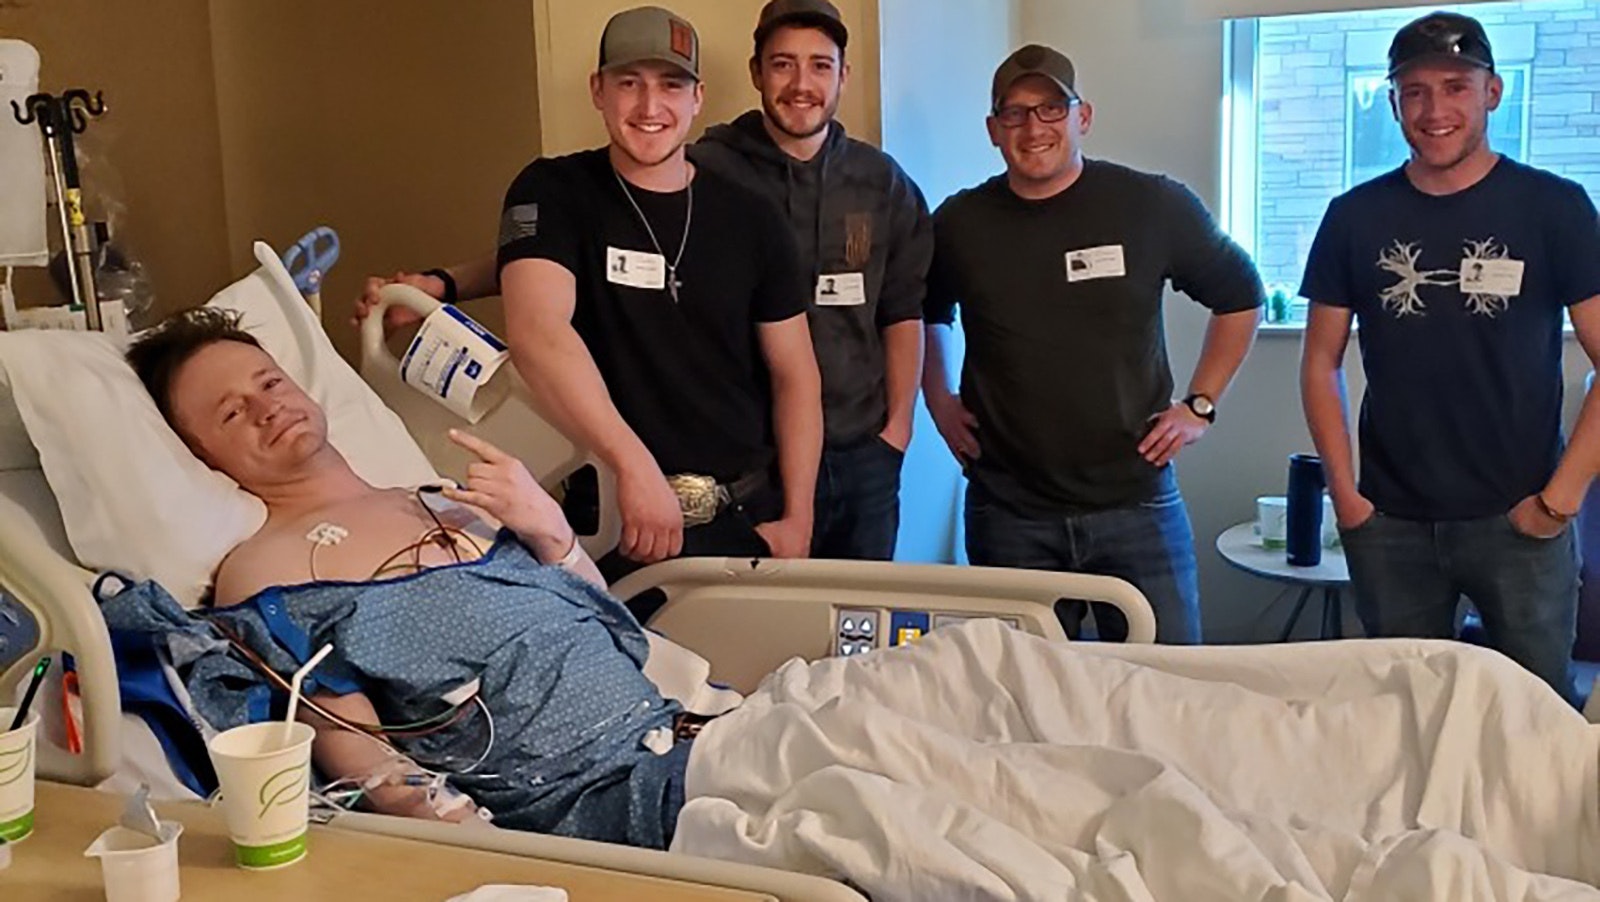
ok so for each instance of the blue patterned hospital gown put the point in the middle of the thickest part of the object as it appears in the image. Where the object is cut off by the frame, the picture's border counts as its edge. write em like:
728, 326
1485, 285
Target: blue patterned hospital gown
559, 663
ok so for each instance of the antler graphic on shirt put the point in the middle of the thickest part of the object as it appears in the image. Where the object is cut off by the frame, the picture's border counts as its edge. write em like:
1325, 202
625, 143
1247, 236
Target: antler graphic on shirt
1403, 298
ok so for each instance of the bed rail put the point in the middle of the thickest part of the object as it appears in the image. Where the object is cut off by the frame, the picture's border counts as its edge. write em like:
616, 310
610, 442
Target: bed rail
783, 608
57, 595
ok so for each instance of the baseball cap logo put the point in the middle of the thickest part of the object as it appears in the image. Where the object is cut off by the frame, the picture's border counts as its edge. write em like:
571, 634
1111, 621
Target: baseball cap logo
682, 39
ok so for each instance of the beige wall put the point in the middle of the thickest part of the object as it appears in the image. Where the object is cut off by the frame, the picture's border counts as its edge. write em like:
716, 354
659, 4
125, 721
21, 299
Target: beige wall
398, 124
569, 42
153, 61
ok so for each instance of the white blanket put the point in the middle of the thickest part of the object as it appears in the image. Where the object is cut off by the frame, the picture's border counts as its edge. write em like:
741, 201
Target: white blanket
987, 764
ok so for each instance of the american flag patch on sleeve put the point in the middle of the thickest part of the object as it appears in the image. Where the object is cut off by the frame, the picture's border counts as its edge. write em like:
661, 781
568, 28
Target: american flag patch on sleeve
518, 222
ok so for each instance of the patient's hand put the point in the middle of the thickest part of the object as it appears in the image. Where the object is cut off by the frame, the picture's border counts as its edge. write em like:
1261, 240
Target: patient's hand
396, 317
501, 486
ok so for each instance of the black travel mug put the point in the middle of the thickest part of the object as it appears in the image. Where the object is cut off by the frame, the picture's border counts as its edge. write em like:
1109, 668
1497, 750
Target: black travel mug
1305, 510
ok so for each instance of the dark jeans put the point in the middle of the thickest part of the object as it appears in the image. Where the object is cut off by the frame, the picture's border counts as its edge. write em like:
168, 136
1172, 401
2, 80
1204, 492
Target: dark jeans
858, 501
731, 534
1409, 576
1149, 544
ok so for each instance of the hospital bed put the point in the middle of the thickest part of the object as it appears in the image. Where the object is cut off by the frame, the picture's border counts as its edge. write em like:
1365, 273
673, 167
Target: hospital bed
745, 617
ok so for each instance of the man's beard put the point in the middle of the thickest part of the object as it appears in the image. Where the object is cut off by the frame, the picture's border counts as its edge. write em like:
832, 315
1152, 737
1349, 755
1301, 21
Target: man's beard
828, 112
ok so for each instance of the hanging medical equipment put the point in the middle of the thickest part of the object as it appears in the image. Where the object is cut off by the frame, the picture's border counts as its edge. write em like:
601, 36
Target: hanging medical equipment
60, 118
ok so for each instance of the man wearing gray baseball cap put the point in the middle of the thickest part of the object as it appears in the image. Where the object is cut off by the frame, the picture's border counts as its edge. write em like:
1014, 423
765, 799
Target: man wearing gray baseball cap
657, 312
865, 240
1460, 267
1065, 421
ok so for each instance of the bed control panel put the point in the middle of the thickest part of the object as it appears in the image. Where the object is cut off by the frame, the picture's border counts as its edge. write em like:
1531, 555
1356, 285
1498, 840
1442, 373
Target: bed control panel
906, 627
19, 631
857, 632
860, 630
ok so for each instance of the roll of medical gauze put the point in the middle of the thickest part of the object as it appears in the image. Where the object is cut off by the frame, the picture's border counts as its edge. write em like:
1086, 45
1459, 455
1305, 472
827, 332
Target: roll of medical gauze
454, 361
22, 201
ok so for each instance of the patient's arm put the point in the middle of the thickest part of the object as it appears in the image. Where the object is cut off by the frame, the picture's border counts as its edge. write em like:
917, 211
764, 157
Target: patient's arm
342, 754
501, 487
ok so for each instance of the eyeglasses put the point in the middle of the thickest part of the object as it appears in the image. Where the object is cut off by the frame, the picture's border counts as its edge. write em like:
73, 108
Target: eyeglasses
1049, 111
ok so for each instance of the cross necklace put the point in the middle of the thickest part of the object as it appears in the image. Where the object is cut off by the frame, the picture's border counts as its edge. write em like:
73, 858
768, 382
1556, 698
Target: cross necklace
688, 218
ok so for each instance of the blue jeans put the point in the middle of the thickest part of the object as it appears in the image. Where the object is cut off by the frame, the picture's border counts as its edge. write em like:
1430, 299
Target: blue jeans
858, 501
1149, 544
1408, 577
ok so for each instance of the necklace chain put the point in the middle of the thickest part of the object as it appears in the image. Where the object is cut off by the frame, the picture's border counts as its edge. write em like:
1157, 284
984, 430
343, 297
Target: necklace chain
688, 219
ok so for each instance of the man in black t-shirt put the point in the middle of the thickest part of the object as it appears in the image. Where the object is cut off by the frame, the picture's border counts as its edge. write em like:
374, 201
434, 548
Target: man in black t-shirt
1066, 423
657, 312
1459, 267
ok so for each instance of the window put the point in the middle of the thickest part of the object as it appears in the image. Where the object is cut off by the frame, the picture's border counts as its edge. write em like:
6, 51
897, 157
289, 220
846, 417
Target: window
1307, 116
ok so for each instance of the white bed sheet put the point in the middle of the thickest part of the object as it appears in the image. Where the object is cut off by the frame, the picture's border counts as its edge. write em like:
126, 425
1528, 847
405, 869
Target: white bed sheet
991, 765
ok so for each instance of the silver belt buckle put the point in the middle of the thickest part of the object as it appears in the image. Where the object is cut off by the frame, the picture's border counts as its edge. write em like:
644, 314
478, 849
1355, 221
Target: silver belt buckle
699, 497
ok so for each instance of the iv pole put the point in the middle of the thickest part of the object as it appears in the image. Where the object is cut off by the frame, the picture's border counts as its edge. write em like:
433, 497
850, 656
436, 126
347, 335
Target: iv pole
59, 118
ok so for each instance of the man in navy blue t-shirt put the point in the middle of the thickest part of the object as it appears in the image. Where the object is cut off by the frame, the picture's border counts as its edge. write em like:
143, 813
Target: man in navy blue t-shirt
1458, 267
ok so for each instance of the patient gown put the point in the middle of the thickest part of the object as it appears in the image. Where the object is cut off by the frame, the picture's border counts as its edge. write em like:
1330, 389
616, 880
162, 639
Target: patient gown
557, 663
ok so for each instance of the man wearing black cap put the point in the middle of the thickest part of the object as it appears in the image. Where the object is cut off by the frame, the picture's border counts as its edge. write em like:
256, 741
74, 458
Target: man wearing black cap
1066, 421
1459, 266
656, 310
865, 240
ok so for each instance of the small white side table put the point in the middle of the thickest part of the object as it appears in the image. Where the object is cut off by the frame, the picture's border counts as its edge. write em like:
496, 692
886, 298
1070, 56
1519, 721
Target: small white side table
1240, 546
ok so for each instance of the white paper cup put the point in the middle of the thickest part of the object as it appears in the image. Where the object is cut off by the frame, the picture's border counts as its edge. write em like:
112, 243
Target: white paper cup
18, 749
265, 789
1272, 521
136, 867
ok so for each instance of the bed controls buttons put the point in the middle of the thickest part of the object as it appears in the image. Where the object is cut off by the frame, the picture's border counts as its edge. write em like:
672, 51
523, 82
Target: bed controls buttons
856, 632
906, 627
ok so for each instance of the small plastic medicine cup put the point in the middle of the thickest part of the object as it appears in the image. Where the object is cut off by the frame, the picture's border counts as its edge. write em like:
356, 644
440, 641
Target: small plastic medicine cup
136, 867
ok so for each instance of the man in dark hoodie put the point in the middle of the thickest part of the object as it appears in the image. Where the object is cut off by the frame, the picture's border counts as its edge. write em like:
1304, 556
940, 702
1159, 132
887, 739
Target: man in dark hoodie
865, 242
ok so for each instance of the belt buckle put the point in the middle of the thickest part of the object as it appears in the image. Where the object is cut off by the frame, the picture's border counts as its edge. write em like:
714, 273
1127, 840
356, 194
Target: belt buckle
699, 497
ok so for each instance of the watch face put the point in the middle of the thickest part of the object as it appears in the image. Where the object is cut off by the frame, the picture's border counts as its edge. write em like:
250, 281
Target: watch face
1203, 406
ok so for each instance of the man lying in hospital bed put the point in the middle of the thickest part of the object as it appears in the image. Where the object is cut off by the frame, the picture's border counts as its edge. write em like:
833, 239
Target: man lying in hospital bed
981, 763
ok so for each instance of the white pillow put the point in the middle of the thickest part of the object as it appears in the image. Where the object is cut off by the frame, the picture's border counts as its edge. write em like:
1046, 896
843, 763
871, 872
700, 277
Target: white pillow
131, 495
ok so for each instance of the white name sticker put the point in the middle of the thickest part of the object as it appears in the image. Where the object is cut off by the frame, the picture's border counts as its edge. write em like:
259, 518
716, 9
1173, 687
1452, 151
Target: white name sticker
1096, 263
845, 289
1501, 278
635, 269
